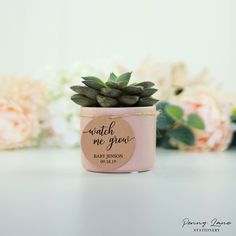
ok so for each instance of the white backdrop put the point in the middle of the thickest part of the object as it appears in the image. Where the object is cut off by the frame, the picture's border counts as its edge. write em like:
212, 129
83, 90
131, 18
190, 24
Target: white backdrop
57, 33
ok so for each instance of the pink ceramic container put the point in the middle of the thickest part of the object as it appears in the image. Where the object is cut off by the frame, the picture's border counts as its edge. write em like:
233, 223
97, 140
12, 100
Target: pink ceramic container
142, 120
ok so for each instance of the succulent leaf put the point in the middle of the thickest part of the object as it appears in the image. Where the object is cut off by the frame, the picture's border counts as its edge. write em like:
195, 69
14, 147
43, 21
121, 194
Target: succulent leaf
83, 101
109, 92
94, 84
147, 92
75, 88
113, 85
146, 84
106, 101
86, 91
112, 77
123, 79
146, 101
128, 100
93, 78
133, 90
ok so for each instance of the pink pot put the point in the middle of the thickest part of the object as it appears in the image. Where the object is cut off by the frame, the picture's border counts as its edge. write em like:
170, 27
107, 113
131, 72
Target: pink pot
118, 139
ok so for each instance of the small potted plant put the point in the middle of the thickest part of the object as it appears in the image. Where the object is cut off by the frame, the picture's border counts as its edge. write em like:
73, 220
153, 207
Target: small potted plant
118, 124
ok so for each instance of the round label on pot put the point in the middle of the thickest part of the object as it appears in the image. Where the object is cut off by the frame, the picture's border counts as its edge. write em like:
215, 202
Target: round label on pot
108, 143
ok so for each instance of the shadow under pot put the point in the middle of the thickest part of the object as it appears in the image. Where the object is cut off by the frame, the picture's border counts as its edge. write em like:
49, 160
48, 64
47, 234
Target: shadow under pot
118, 139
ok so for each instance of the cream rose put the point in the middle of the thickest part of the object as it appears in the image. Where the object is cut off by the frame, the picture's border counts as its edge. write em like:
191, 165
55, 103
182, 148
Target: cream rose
18, 125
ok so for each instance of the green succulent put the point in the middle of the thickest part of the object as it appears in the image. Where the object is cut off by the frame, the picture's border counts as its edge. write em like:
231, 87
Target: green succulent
115, 92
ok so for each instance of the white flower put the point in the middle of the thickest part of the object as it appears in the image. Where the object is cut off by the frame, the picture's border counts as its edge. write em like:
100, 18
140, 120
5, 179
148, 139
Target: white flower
63, 124
19, 126
22, 108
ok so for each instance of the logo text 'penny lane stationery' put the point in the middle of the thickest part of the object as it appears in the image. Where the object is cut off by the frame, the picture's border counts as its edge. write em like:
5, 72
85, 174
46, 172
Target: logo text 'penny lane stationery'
118, 124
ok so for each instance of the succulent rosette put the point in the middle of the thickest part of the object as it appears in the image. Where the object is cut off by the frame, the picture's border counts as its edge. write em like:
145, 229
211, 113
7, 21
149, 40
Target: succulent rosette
115, 92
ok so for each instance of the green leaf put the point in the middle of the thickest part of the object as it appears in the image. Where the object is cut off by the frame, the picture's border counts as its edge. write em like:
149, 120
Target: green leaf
123, 79
112, 77
233, 115
93, 78
160, 133
106, 101
94, 84
161, 106
182, 134
83, 101
164, 121
175, 112
165, 143
128, 100
147, 92
178, 91
146, 101
234, 112
195, 121
75, 88
133, 90
110, 92
86, 91
146, 84
113, 85
233, 118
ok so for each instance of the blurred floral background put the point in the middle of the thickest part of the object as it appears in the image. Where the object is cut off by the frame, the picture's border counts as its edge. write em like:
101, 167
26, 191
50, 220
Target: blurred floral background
37, 111
185, 47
